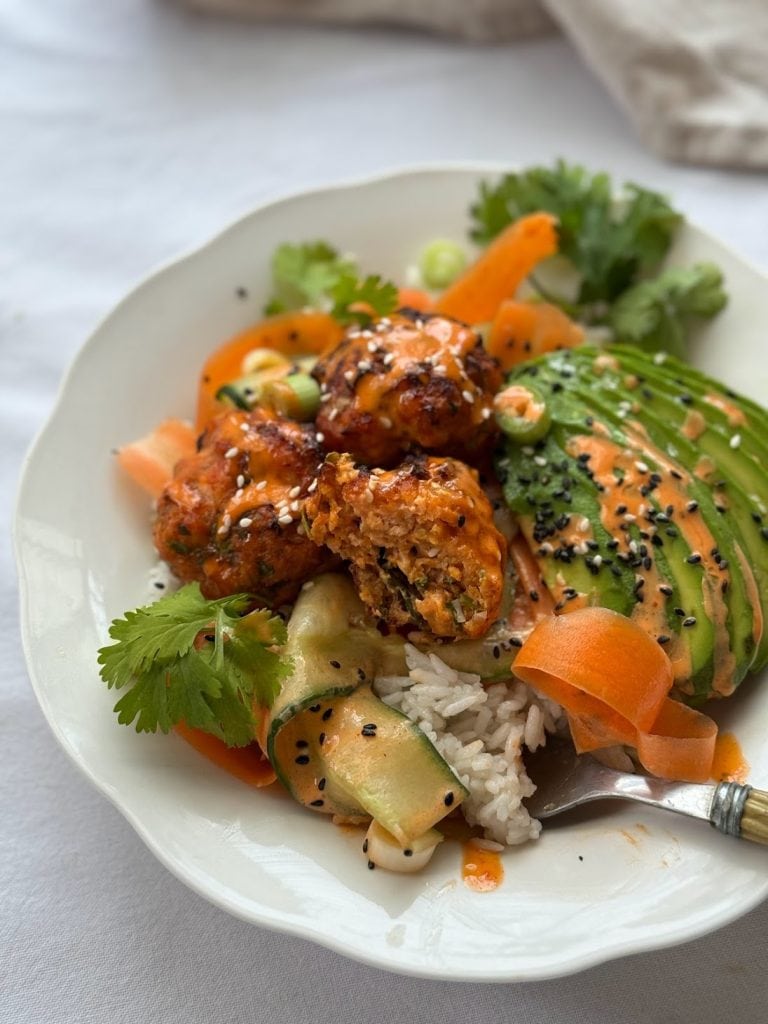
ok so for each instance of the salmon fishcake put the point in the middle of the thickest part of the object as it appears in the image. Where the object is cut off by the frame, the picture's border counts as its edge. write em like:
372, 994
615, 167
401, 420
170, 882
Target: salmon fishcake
408, 382
231, 516
420, 541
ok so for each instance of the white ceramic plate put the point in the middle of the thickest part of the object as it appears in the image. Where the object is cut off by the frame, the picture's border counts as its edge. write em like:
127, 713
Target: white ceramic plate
628, 881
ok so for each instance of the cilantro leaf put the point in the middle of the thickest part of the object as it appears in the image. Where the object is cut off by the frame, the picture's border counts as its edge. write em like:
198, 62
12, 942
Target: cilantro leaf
610, 242
202, 662
304, 274
354, 300
655, 314
314, 274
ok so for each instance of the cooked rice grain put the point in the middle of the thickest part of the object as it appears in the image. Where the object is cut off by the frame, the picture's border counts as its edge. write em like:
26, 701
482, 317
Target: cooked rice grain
481, 732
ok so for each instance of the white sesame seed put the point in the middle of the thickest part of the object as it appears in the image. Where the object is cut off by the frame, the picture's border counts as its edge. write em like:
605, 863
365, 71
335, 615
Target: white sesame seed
261, 485
630, 518
440, 369
239, 492
348, 375
319, 437
246, 521
241, 481
333, 414
583, 524
487, 413
386, 422
294, 492
372, 347
312, 487
641, 467
231, 452
245, 427
660, 358
385, 322
597, 561
328, 396
389, 358
419, 323
540, 460
308, 585
364, 366
433, 552
295, 506
468, 396
735, 441
366, 334
528, 449
286, 519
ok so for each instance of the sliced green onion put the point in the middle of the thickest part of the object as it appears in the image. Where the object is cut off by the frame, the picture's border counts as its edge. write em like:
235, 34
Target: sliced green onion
243, 393
263, 359
296, 396
522, 414
441, 262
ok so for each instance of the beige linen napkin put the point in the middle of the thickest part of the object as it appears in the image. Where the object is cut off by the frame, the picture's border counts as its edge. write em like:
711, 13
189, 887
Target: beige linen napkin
691, 74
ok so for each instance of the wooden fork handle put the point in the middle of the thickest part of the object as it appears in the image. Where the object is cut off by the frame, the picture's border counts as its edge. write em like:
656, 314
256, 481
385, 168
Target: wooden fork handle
740, 811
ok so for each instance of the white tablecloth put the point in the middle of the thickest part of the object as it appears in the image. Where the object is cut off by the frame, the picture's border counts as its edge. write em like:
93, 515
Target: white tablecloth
130, 131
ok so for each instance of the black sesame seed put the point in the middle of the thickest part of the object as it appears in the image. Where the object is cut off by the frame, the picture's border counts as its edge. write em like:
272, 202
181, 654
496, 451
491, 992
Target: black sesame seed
365, 846
647, 563
159, 585
689, 621
663, 640
534, 595
666, 589
334, 664
321, 784
302, 759
327, 714
407, 853
693, 559
368, 730
692, 506
361, 675
515, 641
371, 865
448, 799
302, 744
314, 707
316, 803
764, 533
496, 652
461, 520
680, 612
321, 739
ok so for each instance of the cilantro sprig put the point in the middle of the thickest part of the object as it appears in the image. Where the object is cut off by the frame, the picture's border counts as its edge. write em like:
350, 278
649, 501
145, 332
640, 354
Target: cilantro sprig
206, 663
610, 243
314, 274
655, 314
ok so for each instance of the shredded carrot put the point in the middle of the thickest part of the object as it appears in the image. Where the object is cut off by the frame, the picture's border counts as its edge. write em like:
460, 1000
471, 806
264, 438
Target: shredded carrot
613, 679
246, 763
498, 272
415, 298
150, 460
293, 334
524, 330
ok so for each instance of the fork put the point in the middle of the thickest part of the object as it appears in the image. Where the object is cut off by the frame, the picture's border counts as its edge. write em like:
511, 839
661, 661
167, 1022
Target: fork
565, 779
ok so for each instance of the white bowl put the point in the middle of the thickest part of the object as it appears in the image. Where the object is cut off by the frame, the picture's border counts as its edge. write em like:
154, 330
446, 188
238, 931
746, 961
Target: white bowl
626, 881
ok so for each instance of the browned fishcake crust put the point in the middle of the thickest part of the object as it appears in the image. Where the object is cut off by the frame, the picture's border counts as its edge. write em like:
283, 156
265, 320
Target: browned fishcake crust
407, 383
420, 541
231, 516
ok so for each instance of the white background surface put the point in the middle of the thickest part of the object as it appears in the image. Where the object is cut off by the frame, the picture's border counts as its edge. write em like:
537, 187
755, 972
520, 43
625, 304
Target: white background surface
129, 132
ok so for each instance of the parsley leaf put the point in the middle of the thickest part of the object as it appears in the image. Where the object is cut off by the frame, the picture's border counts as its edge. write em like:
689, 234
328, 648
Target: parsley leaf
655, 315
314, 274
610, 243
353, 299
202, 662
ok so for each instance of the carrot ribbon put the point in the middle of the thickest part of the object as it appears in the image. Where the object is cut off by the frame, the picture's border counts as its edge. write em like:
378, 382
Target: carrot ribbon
613, 680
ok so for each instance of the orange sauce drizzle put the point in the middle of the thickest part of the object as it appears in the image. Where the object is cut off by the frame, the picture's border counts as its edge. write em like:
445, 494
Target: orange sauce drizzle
481, 870
735, 415
246, 763
729, 763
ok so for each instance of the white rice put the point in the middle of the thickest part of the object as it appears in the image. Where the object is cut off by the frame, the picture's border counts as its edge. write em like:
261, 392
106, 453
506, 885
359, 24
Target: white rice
481, 732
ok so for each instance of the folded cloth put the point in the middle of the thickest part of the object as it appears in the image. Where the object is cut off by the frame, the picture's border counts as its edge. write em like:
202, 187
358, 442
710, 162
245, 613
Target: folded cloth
479, 20
691, 74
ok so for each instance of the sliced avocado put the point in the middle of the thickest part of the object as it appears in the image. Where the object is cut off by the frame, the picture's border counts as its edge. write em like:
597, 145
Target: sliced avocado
645, 511
335, 746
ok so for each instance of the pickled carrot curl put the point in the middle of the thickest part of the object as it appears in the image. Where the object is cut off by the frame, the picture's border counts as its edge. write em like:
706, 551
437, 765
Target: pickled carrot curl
150, 461
612, 678
292, 334
524, 330
500, 269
